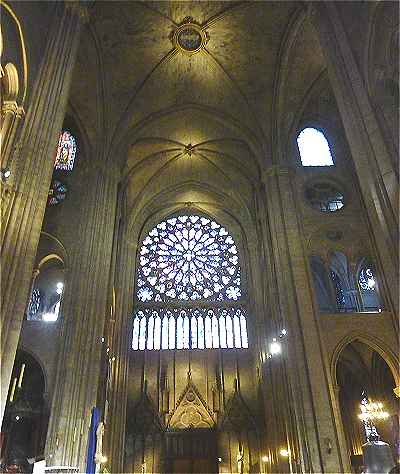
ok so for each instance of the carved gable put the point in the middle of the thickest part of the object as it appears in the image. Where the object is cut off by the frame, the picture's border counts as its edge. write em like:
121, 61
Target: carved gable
191, 410
145, 418
237, 416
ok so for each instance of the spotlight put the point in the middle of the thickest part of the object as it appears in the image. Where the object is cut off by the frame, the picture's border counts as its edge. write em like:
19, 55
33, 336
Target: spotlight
49, 317
5, 174
284, 452
283, 333
275, 347
17, 418
219, 459
265, 459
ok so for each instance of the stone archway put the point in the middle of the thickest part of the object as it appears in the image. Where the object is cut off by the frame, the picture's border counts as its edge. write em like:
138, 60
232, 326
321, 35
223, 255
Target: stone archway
361, 371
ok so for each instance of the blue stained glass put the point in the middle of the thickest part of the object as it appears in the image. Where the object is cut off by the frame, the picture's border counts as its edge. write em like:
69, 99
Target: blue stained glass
150, 333
236, 327
164, 340
135, 338
366, 279
172, 332
142, 334
208, 332
187, 260
339, 293
229, 332
243, 331
186, 333
215, 332
222, 331
200, 326
179, 333
57, 193
157, 333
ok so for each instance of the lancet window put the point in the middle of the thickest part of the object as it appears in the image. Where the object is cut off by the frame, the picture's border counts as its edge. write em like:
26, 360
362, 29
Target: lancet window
314, 148
66, 152
189, 291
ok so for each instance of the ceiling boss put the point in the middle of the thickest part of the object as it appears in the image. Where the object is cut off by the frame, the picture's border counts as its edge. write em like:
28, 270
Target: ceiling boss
189, 36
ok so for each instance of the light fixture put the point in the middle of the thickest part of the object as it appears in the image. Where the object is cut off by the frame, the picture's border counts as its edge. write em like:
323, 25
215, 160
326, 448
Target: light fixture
17, 418
275, 347
219, 459
284, 452
372, 411
103, 339
283, 333
103, 459
265, 458
5, 174
49, 317
60, 287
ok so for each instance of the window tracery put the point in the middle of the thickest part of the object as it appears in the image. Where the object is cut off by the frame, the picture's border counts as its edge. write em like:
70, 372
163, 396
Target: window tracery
189, 289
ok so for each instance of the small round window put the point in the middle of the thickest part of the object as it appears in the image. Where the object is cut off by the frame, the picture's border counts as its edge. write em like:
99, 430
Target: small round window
324, 197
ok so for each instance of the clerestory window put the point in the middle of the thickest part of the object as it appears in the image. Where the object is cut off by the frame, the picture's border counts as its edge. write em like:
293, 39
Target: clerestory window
314, 148
189, 292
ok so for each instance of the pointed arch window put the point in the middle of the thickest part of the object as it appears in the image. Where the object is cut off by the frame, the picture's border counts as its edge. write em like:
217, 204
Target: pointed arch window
189, 278
314, 148
66, 152
368, 289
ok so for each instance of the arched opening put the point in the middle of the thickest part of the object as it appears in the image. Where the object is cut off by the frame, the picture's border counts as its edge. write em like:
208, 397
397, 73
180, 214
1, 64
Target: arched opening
189, 291
26, 415
363, 374
314, 148
47, 291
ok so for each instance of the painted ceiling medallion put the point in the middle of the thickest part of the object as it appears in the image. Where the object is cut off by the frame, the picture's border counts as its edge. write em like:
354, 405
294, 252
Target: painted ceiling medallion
189, 36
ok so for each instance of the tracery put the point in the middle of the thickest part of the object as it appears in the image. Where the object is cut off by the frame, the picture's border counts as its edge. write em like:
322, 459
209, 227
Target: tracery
189, 288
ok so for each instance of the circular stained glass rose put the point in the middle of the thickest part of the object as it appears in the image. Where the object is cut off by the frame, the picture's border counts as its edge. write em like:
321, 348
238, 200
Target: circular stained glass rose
189, 39
189, 258
57, 193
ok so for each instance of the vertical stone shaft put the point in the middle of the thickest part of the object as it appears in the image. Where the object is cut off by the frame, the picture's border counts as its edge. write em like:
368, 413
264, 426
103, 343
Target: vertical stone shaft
84, 310
306, 366
124, 287
31, 171
377, 177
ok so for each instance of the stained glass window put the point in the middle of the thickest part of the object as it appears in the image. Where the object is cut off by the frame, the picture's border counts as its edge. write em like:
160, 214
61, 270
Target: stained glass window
314, 148
66, 152
368, 288
34, 304
189, 276
366, 279
57, 193
339, 293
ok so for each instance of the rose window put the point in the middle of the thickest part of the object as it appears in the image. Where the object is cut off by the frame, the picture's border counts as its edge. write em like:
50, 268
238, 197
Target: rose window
184, 264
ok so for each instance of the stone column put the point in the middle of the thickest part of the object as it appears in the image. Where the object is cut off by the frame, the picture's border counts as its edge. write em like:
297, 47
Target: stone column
306, 371
31, 170
84, 313
374, 166
119, 344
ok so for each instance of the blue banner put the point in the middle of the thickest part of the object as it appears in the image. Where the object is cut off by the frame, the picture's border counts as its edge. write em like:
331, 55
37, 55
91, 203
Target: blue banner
90, 464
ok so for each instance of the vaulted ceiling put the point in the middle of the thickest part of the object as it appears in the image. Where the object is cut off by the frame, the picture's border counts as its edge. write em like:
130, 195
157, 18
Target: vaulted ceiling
148, 104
